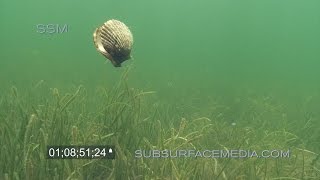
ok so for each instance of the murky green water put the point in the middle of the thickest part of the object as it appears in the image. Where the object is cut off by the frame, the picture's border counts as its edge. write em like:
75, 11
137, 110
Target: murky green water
219, 44
198, 56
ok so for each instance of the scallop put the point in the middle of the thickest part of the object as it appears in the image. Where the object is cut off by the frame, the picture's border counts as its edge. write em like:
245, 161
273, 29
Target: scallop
114, 41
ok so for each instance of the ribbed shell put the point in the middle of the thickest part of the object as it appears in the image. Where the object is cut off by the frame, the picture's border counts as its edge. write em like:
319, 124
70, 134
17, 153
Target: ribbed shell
114, 40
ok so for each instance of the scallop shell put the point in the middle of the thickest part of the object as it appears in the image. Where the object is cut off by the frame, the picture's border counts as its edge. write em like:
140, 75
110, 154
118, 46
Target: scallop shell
114, 40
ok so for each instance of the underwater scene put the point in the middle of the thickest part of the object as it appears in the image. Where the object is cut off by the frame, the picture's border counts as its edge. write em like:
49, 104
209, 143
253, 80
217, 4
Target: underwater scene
170, 89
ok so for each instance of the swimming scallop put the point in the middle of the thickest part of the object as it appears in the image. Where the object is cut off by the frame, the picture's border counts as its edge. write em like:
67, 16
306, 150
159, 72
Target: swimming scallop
114, 41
